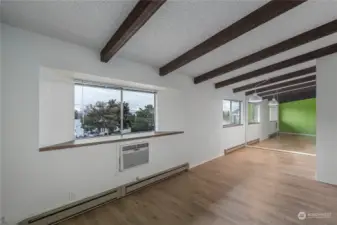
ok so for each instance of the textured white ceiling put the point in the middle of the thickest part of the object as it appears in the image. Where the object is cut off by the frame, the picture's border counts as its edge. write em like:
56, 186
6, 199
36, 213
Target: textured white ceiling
87, 23
175, 28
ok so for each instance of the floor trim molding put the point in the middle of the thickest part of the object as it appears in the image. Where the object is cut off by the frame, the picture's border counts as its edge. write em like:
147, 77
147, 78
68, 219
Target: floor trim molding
299, 134
284, 151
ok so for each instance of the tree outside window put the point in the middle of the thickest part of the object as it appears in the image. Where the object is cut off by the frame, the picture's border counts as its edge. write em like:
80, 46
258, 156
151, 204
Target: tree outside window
98, 111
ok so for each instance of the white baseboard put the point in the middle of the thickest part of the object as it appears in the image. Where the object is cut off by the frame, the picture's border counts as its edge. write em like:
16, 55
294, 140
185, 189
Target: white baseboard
311, 135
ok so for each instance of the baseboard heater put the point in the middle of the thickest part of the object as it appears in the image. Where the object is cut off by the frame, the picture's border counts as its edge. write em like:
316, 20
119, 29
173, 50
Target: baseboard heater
135, 186
68, 211
253, 141
74, 209
232, 149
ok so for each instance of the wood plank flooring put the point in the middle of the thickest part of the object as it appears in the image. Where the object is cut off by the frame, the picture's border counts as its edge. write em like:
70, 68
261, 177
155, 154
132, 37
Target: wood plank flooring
288, 142
247, 187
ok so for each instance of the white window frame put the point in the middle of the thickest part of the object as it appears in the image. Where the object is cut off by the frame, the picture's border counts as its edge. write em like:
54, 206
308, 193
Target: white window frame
273, 113
231, 124
85, 83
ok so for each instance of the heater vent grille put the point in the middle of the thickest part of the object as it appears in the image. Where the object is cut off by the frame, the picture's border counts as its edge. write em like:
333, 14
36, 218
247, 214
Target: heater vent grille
134, 155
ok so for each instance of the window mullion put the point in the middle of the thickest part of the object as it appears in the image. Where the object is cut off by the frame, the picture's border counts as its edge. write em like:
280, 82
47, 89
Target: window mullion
82, 106
122, 114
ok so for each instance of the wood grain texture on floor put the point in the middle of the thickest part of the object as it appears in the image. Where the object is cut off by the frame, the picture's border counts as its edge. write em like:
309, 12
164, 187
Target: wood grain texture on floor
247, 187
289, 142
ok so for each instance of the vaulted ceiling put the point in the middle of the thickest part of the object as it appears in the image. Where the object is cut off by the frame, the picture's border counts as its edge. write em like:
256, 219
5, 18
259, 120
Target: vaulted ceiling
235, 44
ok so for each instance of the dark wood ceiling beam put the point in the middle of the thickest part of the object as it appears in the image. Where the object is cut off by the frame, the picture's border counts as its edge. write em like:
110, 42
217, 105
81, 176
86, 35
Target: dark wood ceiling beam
280, 65
288, 89
296, 95
277, 79
284, 84
293, 93
301, 39
260, 16
140, 14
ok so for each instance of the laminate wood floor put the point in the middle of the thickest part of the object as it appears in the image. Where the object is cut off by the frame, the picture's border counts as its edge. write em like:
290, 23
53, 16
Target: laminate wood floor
287, 142
247, 187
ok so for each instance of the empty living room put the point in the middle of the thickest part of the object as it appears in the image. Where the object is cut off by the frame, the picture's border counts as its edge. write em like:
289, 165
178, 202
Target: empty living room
168, 112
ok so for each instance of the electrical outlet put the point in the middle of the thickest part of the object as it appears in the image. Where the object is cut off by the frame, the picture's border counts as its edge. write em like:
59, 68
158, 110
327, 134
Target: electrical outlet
137, 178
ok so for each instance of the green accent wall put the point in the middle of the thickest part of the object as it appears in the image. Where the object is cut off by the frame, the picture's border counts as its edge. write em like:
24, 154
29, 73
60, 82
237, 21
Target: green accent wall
298, 116
250, 112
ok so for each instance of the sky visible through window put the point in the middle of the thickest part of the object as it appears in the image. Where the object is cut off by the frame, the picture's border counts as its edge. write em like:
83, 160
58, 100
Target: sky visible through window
90, 95
226, 105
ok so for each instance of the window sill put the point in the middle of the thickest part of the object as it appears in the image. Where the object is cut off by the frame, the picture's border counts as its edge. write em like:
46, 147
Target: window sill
252, 123
108, 140
232, 125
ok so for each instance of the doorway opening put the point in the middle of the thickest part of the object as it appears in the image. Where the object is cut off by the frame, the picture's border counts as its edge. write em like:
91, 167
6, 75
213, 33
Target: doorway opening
294, 128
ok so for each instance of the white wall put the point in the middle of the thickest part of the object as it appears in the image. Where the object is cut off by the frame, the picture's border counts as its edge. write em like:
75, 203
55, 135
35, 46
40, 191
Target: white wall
34, 182
166, 101
56, 107
233, 136
273, 127
326, 120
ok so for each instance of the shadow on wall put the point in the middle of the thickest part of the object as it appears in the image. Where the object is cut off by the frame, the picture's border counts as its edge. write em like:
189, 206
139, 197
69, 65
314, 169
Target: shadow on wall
298, 117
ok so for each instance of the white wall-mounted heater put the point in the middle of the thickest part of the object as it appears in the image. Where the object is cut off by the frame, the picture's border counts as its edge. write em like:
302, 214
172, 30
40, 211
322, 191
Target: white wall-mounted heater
133, 155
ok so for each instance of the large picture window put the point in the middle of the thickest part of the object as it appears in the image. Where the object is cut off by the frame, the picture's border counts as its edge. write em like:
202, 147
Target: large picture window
253, 113
101, 110
231, 111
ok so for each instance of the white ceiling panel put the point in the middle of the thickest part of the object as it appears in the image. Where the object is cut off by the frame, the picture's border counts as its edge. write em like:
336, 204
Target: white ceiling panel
323, 42
87, 23
276, 73
261, 85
